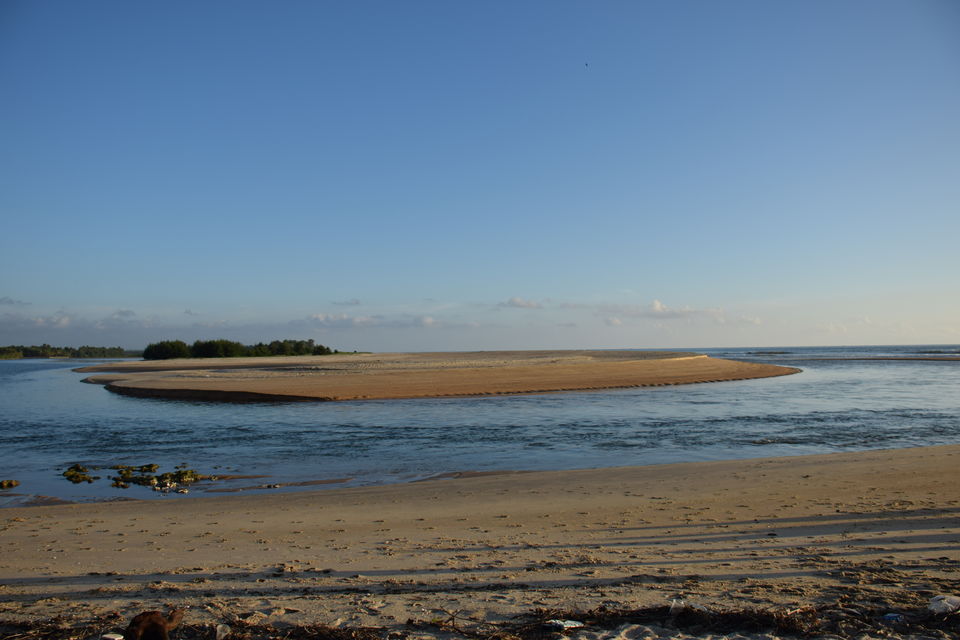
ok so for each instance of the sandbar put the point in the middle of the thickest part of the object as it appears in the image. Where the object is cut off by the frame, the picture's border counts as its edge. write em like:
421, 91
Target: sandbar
417, 375
876, 528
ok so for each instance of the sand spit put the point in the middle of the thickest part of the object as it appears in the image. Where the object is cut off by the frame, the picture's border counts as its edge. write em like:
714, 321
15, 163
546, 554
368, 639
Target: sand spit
417, 375
858, 533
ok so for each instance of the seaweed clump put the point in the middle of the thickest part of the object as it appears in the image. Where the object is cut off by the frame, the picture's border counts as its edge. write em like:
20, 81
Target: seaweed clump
146, 476
129, 474
78, 473
9, 484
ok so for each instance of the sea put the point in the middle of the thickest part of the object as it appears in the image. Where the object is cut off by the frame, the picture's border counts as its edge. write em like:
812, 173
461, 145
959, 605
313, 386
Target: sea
845, 399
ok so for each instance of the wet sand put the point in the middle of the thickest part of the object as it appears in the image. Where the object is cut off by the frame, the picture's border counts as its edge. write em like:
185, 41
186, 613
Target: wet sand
878, 528
417, 375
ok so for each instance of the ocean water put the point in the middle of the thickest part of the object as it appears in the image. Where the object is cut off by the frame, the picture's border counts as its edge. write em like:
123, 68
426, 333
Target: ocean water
840, 402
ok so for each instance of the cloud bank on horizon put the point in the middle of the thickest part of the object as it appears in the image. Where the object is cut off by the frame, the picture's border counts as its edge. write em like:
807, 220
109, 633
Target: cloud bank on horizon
447, 176
476, 326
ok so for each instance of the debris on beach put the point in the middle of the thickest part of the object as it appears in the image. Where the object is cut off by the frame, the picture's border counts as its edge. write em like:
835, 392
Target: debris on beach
675, 621
563, 625
944, 604
153, 625
696, 620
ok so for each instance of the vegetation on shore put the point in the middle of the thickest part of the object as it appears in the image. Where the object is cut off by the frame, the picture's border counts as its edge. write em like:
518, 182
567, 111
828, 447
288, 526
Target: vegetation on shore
16, 352
167, 349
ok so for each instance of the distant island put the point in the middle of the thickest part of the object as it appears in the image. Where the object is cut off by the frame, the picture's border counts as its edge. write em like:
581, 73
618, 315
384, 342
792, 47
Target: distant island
168, 349
16, 352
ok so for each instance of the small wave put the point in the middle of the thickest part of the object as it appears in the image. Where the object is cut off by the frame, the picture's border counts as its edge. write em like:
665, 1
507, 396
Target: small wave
763, 441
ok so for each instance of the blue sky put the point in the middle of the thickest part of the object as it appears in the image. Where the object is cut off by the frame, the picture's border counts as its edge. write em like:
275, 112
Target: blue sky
451, 175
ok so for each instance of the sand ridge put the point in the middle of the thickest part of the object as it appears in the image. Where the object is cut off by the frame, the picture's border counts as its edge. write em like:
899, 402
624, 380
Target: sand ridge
417, 375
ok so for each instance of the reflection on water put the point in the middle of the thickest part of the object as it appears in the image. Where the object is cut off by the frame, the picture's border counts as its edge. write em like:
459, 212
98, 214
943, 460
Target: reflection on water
50, 421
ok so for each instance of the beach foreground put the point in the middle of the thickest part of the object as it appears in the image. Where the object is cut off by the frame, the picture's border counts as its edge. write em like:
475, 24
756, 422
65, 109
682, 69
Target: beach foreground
874, 529
417, 375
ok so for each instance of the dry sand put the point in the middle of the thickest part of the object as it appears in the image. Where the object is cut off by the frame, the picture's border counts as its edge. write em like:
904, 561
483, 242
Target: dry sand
417, 375
877, 528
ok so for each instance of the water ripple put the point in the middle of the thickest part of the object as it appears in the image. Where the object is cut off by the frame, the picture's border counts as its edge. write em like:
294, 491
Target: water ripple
51, 421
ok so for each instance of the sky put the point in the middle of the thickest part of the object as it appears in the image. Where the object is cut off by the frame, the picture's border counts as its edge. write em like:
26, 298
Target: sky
435, 175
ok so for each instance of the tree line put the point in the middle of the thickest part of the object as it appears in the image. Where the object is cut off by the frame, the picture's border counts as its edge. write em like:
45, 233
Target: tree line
166, 349
15, 352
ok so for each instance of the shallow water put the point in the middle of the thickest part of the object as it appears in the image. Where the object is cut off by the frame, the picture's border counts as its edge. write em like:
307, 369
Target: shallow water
50, 420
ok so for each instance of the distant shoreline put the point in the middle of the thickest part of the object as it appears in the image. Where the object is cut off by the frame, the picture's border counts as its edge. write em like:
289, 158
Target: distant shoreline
416, 375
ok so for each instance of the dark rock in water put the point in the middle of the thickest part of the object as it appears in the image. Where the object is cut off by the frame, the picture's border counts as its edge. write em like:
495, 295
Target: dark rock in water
142, 475
77, 473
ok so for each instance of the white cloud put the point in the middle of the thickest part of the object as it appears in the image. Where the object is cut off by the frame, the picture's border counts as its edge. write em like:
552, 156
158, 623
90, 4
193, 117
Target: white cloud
343, 321
59, 320
352, 302
126, 327
656, 310
520, 303
212, 324
119, 319
613, 321
15, 322
660, 310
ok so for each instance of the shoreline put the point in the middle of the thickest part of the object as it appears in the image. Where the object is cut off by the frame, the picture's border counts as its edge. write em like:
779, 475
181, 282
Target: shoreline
417, 375
876, 527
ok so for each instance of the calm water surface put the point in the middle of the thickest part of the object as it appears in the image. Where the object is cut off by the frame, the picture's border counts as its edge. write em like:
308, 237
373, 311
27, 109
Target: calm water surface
49, 420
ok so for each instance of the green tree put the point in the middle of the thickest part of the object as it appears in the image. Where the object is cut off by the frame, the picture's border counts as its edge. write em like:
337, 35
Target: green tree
230, 349
166, 349
10, 353
258, 350
217, 349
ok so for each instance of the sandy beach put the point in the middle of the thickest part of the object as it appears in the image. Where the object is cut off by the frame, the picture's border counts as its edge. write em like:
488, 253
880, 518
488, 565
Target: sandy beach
417, 375
871, 529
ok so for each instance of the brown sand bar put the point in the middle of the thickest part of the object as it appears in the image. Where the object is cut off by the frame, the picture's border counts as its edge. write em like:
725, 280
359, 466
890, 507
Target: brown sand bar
877, 528
417, 375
